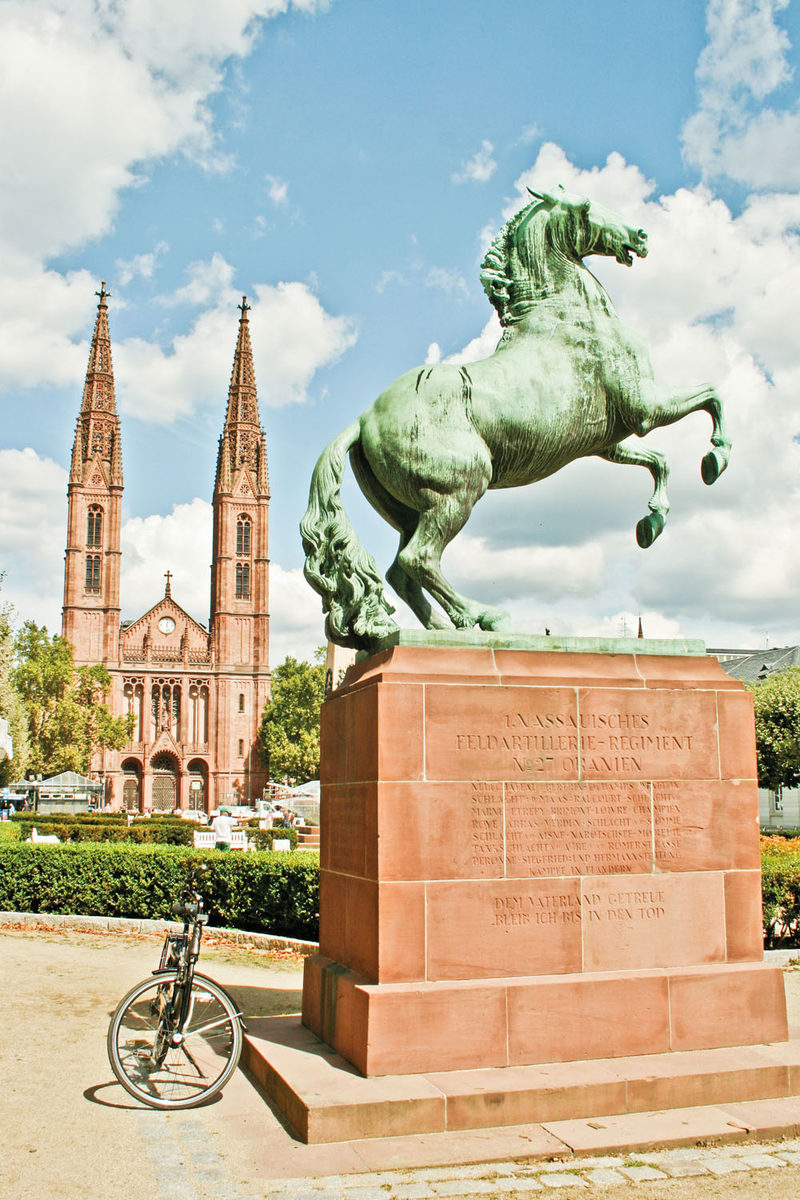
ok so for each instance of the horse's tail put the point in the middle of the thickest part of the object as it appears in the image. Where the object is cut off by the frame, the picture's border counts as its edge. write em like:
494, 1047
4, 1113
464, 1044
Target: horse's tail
337, 565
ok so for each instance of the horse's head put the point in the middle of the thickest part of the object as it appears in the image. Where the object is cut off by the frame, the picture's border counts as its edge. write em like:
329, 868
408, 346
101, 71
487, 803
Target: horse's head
580, 226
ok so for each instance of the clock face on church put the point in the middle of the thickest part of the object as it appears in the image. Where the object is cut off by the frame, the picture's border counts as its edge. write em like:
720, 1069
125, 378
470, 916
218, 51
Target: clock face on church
166, 624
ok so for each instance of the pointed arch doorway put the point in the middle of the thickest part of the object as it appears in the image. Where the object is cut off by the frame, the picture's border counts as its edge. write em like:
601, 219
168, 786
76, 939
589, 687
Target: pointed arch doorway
165, 782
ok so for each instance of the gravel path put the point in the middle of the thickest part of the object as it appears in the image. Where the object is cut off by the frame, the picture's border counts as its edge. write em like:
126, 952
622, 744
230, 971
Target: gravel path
71, 1133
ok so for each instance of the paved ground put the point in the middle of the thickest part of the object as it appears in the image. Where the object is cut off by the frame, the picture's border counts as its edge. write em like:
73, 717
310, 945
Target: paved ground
71, 1133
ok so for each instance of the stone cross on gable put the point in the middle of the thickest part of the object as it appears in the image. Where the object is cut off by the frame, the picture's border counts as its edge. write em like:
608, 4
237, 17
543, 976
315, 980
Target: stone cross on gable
168, 577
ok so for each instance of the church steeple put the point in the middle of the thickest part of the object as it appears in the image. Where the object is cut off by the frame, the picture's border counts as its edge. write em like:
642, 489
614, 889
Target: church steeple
240, 567
97, 429
242, 442
90, 616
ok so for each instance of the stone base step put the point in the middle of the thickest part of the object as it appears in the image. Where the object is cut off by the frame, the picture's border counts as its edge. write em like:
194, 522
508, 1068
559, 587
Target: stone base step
588, 1105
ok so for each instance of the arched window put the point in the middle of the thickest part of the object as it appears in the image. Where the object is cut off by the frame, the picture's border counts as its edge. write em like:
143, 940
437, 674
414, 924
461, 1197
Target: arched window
94, 526
92, 583
165, 701
243, 524
242, 581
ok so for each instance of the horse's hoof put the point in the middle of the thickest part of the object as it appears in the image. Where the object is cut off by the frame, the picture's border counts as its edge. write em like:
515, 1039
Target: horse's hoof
649, 528
713, 465
494, 619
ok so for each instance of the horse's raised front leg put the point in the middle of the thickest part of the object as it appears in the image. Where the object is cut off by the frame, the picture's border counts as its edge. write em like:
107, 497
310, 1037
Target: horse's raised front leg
420, 559
667, 407
650, 526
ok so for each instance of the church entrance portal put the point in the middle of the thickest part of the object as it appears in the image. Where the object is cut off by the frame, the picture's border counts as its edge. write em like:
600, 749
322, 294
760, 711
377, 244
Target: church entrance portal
131, 786
198, 785
165, 783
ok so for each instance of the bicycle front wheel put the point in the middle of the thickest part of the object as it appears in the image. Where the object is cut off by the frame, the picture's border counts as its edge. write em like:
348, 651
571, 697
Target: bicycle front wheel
166, 1067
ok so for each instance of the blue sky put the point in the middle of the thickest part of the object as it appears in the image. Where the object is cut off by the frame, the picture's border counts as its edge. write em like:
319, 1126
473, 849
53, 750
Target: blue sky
344, 164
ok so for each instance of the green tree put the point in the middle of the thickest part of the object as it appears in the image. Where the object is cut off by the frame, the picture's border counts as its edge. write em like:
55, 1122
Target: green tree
289, 733
11, 704
66, 707
777, 708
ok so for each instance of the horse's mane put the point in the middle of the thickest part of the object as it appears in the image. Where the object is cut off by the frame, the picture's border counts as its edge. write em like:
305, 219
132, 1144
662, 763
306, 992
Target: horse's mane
497, 273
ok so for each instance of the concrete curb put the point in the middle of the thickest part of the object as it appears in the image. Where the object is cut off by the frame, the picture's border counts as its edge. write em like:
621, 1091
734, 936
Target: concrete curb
242, 937
782, 958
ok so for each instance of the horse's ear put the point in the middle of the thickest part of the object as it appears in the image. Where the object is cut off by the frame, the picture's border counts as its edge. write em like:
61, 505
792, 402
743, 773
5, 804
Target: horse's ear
536, 195
549, 199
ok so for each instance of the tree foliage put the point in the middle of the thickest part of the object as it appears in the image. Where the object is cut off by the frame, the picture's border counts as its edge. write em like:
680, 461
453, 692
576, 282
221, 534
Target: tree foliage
65, 707
777, 709
289, 733
11, 704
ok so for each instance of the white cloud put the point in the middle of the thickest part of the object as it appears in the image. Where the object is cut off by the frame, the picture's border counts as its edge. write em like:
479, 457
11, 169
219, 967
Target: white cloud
388, 277
142, 266
205, 282
41, 312
179, 542
277, 190
297, 624
33, 523
291, 333
449, 281
513, 572
92, 95
478, 169
744, 61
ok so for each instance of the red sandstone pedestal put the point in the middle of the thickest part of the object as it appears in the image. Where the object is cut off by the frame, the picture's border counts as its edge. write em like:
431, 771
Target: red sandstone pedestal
538, 855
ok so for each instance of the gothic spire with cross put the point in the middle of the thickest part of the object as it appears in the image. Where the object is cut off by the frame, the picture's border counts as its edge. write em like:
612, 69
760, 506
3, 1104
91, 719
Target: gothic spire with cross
242, 442
97, 430
239, 624
91, 612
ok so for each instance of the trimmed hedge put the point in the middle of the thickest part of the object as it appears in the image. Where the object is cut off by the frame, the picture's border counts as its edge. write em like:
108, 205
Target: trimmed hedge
71, 827
264, 838
274, 893
167, 831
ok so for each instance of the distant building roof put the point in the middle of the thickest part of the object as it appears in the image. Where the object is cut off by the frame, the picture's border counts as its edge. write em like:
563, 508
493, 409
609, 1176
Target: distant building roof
69, 779
751, 665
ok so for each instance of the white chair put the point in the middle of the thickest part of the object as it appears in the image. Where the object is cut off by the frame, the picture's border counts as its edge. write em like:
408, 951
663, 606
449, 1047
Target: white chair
42, 837
238, 839
281, 844
204, 839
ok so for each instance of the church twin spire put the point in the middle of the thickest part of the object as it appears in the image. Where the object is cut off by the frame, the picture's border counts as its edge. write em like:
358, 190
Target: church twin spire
97, 433
242, 442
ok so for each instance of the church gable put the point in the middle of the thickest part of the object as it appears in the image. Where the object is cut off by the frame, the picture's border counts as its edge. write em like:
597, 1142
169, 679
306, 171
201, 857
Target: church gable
167, 633
95, 474
243, 484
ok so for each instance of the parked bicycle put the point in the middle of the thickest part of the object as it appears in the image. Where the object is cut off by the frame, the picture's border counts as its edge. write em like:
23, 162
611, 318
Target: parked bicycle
175, 1039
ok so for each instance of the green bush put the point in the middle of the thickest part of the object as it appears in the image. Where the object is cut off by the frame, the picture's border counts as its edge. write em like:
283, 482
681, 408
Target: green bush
8, 832
274, 893
175, 832
70, 818
264, 838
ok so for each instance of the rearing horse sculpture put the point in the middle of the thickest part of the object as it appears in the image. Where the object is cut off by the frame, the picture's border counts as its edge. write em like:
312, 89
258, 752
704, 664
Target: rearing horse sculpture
567, 380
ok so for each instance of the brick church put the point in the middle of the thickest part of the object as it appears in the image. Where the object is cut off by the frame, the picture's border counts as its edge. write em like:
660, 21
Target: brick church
196, 694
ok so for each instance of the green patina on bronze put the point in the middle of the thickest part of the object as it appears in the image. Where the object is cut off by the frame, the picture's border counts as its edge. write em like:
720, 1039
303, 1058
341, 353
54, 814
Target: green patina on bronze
567, 380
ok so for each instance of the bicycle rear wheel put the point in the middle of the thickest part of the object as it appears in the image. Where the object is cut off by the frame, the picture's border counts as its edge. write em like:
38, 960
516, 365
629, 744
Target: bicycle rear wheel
163, 1066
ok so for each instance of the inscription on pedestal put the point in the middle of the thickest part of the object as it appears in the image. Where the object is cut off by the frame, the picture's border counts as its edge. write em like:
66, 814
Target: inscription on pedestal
530, 830
544, 734
578, 829
486, 828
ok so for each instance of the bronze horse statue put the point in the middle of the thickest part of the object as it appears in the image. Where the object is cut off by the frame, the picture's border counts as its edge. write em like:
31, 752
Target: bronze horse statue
567, 380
